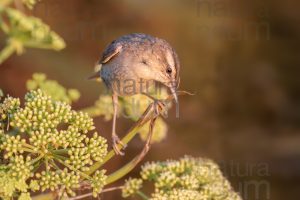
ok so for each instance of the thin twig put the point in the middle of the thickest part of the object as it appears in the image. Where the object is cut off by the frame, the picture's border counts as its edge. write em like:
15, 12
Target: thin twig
133, 163
147, 116
91, 194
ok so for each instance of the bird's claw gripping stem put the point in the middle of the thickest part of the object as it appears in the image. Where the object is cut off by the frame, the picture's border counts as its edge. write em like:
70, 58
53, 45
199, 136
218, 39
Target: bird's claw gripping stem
159, 107
116, 141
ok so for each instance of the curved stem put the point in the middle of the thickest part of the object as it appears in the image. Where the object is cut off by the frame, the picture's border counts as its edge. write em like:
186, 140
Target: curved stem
60, 151
91, 194
59, 157
37, 158
29, 150
132, 164
142, 195
28, 146
129, 136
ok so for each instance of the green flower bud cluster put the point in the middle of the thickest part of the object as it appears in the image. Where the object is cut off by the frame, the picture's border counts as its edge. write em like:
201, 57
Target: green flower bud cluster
12, 145
52, 88
31, 31
94, 149
8, 107
53, 179
166, 180
79, 158
178, 194
131, 187
25, 31
97, 147
20, 167
34, 185
48, 133
9, 185
98, 181
24, 196
82, 121
151, 170
41, 113
186, 179
41, 117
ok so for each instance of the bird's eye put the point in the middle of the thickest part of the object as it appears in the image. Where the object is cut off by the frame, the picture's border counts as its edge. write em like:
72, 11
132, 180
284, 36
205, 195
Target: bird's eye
169, 70
144, 62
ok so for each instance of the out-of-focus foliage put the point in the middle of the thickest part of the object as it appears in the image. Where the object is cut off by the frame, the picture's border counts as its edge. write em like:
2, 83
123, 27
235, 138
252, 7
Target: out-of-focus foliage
30, 3
159, 132
186, 179
41, 136
52, 88
103, 107
25, 31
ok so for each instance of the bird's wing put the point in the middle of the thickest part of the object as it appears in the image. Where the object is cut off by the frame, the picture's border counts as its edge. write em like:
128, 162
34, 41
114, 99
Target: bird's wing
110, 52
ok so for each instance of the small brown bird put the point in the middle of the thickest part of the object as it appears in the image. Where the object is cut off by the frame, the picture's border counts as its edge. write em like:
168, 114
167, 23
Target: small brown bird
131, 63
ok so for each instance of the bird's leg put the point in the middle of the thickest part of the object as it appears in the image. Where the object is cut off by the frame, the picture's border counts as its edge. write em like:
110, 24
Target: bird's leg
115, 139
147, 145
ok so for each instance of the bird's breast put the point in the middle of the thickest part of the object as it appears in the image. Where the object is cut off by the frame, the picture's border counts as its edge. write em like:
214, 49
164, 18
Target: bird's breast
124, 81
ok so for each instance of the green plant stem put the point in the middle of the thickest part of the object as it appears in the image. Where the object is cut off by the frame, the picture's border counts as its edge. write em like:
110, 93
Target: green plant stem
47, 196
133, 163
29, 150
121, 172
60, 151
125, 140
58, 156
142, 195
34, 44
47, 164
37, 158
28, 146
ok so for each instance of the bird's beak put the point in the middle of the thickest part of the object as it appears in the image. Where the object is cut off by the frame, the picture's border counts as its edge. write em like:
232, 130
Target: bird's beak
96, 75
173, 91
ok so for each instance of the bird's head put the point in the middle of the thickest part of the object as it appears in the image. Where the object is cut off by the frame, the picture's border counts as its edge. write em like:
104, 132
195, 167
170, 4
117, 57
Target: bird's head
166, 67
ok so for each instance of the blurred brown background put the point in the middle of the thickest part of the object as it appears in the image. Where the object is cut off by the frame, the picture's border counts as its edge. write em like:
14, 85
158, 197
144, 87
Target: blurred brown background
240, 58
